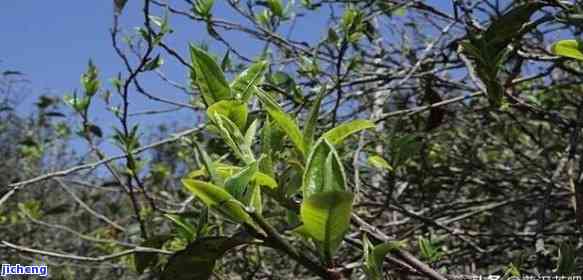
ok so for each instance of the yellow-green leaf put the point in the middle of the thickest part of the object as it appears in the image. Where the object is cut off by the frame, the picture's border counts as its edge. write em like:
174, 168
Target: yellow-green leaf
324, 171
338, 134
276, 7
373, 256
310, 127
236, 111
568, 48
243, 86
255, 200
285, 121
217, 199
225, 170
326, 218
208, 77
379, 162
233, 137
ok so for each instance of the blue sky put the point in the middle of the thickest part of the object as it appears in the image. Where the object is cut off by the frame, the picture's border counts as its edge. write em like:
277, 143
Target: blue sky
52, 41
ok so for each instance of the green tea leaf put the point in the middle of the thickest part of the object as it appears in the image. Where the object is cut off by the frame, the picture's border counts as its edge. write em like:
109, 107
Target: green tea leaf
250, 133
203, 8
188, 231
324, 171
380, 251
266, 135
226, 61
264, 17
217, 199
568, 48
244, 85
225, 170
90, 80
255, 200
371, 267
302, 231
285, 121
235, 111
350, 19
326, 217
207, 163
428, 249
208, 77
310, 127
153, 64
276, 7
237, 184
374, 256
338, 134
567, 261
202, 223
233, 137
379, 162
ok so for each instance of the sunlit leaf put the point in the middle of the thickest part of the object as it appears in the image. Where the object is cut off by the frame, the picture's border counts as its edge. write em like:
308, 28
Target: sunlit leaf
90, 80
379, 162
266, 135
226, 61
255, 200
250, 133
225, 170
373, 257
217, 199
203, 8
276, 7
326, 217
234, 110
233, 137
429, 250
568, 48
284, 120
153, 64
338, 134
206, 162
208, 77
243, 86
324, 171
310, 127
